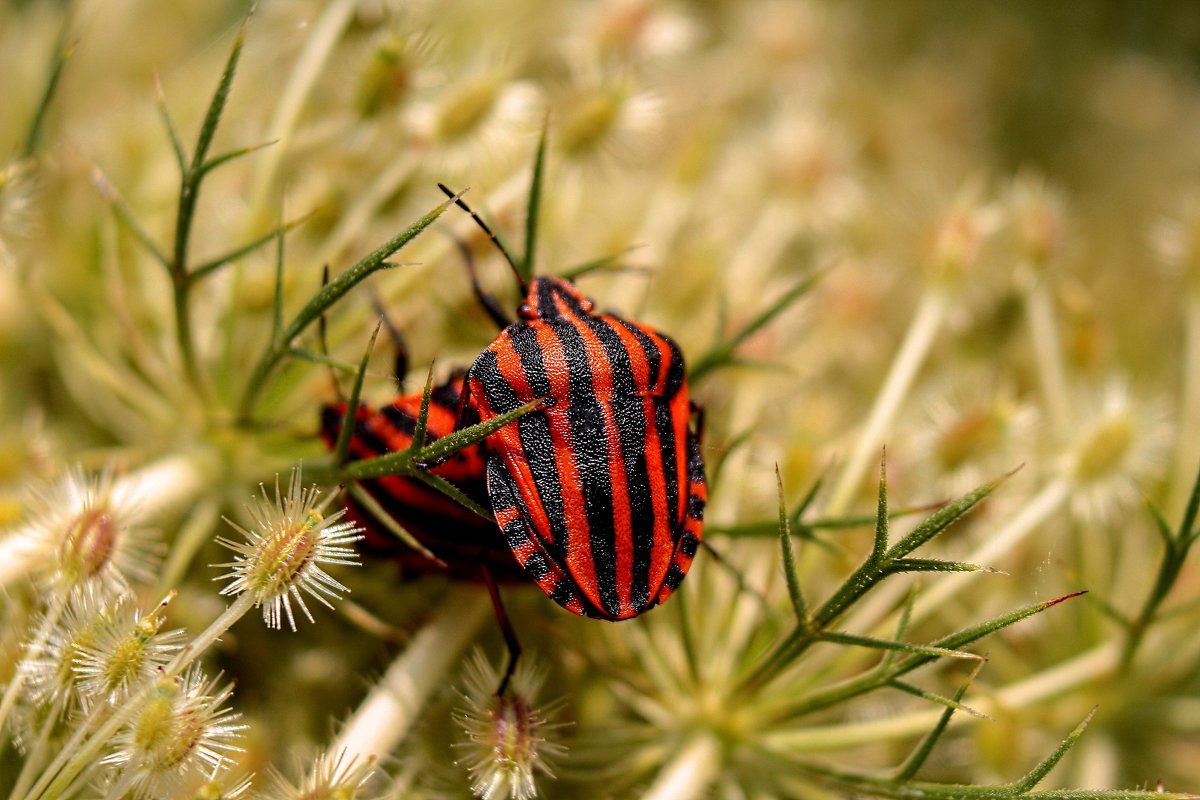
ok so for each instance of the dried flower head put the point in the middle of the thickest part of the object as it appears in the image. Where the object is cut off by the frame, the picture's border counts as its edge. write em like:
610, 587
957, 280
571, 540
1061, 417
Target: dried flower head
86, 531
958, 234
1117, 444
17, 191
1036, 213
281, 559
339, 777
51, 680
180, 735
976, 428
506, 743
1175, 240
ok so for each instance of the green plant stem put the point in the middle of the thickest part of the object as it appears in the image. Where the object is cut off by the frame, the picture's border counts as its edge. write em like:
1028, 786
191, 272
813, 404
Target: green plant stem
926, 322
333, 291
58, 61
1067, 676
690, 773
1187, 440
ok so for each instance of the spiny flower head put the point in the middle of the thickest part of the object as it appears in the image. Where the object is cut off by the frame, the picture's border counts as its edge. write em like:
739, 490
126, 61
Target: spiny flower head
339, 777
88, 532
125, 651
506, 743
1118, 443
281, 559
17, 190
182, 733
1036, 215
51, 679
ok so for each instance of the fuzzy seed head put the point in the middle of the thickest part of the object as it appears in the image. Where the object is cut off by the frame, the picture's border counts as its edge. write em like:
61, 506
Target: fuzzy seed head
51, 675
957, 239
466, 108
87, 534
1116, 447
124, 652
339, 777
181, 734
1037, 218
280, 560
506, 736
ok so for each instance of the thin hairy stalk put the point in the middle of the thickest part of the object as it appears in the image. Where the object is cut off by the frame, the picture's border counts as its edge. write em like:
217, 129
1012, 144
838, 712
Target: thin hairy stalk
691, 773
389, 711
1047, 351
926, 322
302, 77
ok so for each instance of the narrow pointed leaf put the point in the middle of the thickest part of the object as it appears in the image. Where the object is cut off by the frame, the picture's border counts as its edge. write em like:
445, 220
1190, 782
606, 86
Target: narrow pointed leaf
164, 114
1035, 775
811, 496
934, 697
534, 209
450, 490
738, 578
277, 299
389, 523
789, 559
605, 263
881, 514
216, 106
960, 639
212, 265
125, 216
63, 50
919, 755
422, 423
459, 439
406, 461
341, 450
902, 624
225, 158
934, 565
720, 353
1161, 526
324, 360
1186, 525
895, 646
942, 519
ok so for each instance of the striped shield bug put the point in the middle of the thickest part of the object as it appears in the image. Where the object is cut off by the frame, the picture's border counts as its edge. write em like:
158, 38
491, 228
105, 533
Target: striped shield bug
600, 492
459, 540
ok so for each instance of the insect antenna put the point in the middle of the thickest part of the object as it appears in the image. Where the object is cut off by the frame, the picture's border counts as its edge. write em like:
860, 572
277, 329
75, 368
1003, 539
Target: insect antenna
485, 299
495, 239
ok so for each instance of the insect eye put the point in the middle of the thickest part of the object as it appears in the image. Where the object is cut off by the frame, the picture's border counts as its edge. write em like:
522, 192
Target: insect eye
526, 311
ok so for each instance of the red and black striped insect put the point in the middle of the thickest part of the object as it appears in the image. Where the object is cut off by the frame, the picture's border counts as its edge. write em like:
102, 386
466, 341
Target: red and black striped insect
463, 541
600, 491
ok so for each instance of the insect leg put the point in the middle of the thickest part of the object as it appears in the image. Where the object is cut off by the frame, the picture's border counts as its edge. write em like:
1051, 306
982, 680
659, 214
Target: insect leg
506, 628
